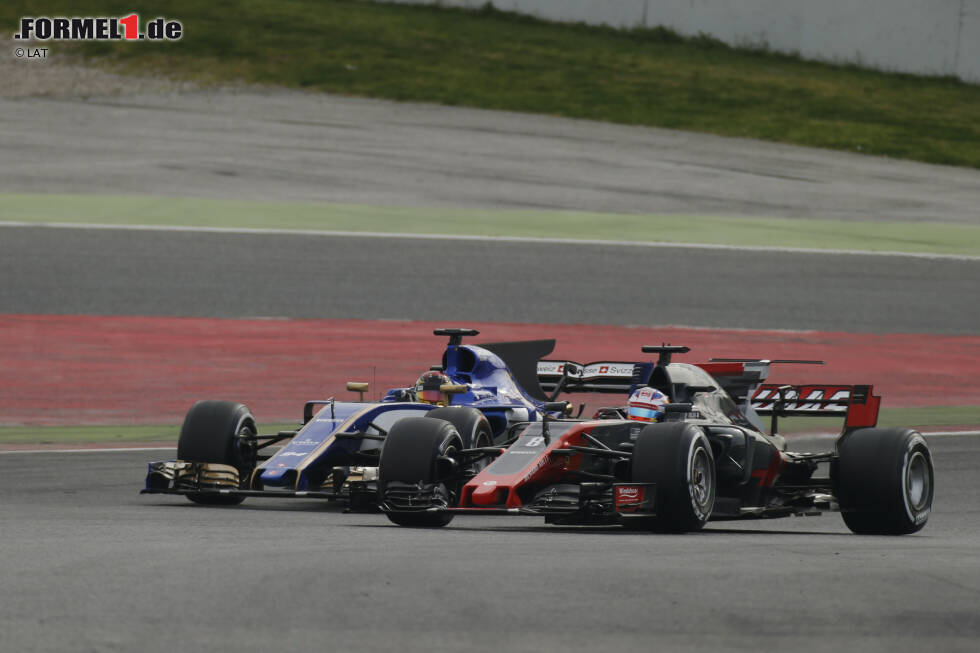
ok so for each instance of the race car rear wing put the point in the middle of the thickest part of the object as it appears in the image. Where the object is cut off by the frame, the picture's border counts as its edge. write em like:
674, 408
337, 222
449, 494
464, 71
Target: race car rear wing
855, 403
604, 376
737, 378
742, 378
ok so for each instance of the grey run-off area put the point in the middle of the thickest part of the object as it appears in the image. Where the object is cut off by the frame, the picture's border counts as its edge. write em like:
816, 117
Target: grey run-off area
284, 146
291, 146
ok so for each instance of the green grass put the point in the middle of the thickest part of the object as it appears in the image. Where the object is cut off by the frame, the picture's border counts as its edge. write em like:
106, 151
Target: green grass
763, 232
496, 60
930, 416
927, 416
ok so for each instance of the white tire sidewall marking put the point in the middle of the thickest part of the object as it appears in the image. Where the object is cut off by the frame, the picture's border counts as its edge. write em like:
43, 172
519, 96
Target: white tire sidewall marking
699, 513
910, 449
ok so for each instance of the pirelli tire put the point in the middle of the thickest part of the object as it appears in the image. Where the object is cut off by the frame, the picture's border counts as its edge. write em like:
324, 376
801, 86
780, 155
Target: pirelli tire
220, 432
472, 425
416, 453
677, 457
884, 481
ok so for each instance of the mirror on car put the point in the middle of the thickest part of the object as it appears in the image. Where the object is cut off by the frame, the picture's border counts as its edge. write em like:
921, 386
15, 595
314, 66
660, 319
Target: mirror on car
555, 407
358, 386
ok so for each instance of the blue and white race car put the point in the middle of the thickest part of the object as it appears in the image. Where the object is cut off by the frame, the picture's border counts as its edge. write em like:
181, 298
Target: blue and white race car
481, 390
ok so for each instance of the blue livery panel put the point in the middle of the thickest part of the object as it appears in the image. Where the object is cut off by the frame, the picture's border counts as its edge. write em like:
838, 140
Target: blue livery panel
317, 444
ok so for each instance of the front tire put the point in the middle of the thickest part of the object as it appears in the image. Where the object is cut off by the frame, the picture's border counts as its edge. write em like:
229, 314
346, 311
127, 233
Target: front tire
221, 432
677, 457
415, 454
884, 481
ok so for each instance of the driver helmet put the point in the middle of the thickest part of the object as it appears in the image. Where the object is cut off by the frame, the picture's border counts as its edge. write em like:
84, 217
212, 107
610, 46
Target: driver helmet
646, 405
427, 388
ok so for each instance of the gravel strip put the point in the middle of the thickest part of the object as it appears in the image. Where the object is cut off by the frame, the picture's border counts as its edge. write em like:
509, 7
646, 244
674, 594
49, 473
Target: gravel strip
62, 74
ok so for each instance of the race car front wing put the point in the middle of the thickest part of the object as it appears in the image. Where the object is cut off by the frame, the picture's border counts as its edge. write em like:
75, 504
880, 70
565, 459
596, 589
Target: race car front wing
183, 478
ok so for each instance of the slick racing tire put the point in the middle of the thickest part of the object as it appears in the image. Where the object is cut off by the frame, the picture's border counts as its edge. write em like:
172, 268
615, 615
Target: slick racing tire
884, 481
677, 457
472, 425
418, 452
220, 432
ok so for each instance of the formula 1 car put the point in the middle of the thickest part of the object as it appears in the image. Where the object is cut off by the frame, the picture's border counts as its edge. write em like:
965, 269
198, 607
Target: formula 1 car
709, 458
334, 454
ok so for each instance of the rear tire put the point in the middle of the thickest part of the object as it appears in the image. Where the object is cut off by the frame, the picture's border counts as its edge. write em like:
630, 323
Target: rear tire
219, 432
472, 425
884, 481
677, 457
410, 456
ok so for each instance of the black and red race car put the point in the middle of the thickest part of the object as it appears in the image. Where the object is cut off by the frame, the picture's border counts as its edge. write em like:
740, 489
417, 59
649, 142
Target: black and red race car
709, 458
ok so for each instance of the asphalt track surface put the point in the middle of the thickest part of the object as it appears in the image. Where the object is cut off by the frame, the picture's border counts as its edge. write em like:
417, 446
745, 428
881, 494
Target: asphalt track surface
90, 565
116, 272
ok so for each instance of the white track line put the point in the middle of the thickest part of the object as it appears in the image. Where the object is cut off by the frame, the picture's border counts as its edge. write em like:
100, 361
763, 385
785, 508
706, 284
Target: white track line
499, 239
832, 436
108, 450
948, 433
